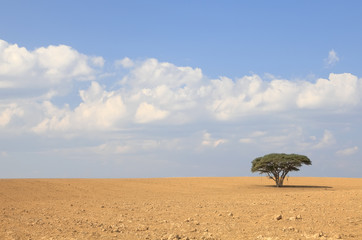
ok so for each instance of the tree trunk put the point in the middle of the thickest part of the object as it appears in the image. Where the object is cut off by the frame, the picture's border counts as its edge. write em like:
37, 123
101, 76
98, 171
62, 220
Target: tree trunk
279, 181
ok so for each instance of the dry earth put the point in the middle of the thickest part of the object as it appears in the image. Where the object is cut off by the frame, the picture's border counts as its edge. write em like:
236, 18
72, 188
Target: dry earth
180, 208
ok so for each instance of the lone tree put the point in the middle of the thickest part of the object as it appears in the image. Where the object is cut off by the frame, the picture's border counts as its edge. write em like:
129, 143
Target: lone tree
278, 165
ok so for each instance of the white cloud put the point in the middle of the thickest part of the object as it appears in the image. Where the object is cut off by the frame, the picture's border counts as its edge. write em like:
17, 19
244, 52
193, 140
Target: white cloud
99, 110
147, 113
9, 112
97, 61
340, 90
152, 73
125, 62
44, 67
211, 142
331, 59
348, 151
153, 91
327, 140
251, 95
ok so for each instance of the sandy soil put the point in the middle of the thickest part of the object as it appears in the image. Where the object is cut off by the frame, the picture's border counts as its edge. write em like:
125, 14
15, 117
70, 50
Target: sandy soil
180, 208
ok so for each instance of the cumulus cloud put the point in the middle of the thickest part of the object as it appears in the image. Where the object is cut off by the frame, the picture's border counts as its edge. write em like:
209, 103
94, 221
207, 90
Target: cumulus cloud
250, 95
147, 113
125, 63
99, 110
108, 112
152, 73
44, 67
347, 151
331, 59
152, 91
340, 90
8, 113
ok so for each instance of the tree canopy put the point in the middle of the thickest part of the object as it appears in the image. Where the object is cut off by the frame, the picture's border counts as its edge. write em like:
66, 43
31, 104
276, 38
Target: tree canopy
278, 165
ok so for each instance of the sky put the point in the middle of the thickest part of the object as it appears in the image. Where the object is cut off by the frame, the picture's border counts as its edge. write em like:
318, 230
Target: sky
140, 89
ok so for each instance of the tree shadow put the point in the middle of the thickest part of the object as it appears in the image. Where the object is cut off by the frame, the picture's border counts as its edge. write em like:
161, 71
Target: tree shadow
298, 186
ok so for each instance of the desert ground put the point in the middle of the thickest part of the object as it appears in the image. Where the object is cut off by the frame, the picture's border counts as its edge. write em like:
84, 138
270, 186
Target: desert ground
181, 208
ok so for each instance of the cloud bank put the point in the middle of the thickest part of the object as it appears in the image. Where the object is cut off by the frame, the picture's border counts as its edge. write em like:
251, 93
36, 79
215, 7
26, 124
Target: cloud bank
153, 91
157, 106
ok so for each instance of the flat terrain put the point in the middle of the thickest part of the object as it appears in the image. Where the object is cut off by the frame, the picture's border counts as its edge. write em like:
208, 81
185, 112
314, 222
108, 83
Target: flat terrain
181, 208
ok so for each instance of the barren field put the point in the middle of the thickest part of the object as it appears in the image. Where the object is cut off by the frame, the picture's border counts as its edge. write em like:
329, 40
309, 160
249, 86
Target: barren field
181, 208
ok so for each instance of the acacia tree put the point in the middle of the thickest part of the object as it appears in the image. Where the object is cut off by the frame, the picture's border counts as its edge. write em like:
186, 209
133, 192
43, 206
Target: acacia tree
278, 165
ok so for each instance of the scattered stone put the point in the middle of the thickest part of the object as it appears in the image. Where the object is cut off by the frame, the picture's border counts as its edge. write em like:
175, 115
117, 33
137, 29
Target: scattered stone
318, 235
338, 236
173, 237
142, 228
189, 220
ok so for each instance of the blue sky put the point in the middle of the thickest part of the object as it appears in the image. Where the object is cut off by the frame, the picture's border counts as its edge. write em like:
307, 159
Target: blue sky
178, 88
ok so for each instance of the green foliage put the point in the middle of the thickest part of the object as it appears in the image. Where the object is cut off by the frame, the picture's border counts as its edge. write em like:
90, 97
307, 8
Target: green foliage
278, 165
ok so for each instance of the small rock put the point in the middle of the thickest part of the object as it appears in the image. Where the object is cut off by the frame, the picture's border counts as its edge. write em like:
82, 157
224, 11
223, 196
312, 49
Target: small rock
298, 217
278, 217
174, 237
142, 228
338, 236
230, 214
